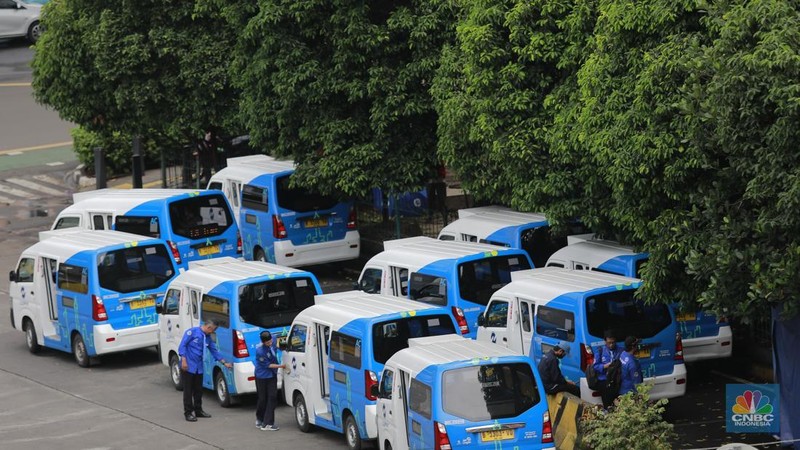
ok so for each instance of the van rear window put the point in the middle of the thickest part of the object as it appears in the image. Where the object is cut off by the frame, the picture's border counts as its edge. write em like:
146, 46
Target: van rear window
200, 217
479, 279
392, 336
489, 392
135, 268
141, 225
625, 316
275, 303
300, 199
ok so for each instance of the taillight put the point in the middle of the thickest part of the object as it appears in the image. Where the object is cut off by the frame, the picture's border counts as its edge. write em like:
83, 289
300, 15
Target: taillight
678, 347
458, 313
440, 439
370, 379
238, 243
278, 229
98, 309
239, 345
176, 255
587, 357
547, 429
352, 221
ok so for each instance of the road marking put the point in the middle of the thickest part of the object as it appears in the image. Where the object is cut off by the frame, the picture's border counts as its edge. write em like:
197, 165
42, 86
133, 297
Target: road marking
34, 186
57, 163
5, 200
15, 192
38, 147
13, 153
48, 179
14, 84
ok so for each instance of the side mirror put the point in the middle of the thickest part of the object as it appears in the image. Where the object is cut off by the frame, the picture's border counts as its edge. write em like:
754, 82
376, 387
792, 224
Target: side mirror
12, 276
481, 320
356, 286
375, 391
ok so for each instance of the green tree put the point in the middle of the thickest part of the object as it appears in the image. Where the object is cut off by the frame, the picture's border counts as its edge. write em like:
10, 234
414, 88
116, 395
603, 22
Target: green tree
343, 88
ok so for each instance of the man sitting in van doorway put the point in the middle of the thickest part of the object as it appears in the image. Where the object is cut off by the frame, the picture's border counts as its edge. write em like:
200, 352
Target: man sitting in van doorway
550, 371
603, 358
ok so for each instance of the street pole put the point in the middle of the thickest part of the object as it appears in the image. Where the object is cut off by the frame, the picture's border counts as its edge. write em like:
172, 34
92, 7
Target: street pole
137, 162
99, 168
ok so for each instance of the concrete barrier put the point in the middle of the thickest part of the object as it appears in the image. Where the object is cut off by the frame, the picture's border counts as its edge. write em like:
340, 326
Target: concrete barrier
566, 411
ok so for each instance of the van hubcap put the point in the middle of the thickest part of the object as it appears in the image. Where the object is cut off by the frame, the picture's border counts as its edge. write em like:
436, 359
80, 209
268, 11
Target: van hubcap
222, 390
29, 336
176, 372
80, 351
351, 435
301, 413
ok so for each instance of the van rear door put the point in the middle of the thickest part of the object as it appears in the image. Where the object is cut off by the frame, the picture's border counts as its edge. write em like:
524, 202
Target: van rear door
310, 217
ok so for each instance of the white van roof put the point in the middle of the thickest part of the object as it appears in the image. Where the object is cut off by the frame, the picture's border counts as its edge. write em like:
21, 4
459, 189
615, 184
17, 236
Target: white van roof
592, 252
138, 194
420, 251
342, 308
247, 168
550, 282
427, 351
65, 243
209, 273
485, 220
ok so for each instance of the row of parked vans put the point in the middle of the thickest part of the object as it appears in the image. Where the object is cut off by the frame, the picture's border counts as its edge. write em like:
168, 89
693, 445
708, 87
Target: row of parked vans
390, 362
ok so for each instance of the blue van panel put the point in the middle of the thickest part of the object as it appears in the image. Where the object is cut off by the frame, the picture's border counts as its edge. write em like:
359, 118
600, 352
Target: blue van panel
511, 235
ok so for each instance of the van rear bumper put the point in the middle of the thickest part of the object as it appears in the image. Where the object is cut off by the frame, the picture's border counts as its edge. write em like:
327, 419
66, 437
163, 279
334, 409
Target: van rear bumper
109, 340
371, 418
241, 372
709, 347
319, 252
664, 386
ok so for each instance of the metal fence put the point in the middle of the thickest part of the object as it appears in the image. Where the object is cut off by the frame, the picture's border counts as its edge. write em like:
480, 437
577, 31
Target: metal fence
183, 168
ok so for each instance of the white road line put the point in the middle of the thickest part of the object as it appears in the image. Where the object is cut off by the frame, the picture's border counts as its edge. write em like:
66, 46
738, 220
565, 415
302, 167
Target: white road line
15, 192
57, 163
13, 153
48, 179
34, 186
6, 200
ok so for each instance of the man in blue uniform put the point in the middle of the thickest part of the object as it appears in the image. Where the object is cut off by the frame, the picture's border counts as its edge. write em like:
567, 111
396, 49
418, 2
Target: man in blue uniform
191, 353
631, 369
602, 359
552, 378
266, 383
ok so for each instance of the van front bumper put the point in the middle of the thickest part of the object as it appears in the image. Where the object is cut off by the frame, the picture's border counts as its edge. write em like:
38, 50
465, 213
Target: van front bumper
319, 252
109, 340
709, 347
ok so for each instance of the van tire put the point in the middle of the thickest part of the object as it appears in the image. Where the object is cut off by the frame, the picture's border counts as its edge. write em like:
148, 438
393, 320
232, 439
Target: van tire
221, 389
258, 255
30, 337
301, 414
351, 433
175, 373
387, 446
79, 351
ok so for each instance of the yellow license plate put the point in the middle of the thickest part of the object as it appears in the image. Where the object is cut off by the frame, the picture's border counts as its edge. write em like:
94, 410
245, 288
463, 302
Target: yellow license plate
642, 353
686, 317
139, 304
205, 251
497, 435
313, 223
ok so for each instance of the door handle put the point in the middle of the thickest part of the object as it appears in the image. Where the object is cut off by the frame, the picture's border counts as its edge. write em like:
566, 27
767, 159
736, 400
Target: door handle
505, 340
303, 364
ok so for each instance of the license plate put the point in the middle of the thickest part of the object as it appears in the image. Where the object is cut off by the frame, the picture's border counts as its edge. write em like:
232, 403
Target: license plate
210, 250
139, 304
314, 223
497, 435
686, 317
642, 353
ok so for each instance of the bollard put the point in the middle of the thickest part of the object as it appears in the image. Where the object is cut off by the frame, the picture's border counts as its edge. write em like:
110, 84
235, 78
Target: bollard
99, 168
137, 162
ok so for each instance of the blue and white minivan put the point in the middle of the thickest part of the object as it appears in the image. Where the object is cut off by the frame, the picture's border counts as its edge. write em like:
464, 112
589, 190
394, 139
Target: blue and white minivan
195, 224
551, 306
90, 293
505, 227
285, 224
704, 335
459, 275
448, 392
337, 348
246, 298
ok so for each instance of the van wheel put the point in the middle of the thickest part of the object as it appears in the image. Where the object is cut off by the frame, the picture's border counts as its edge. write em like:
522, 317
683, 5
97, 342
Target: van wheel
175, 372
221, 388
352, 434
79, 351
34, 32
259, 255
30, 337
301, 414
387, 446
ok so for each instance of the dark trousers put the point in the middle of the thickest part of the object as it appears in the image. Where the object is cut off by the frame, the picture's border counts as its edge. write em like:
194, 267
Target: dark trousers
565, 387
267, 392
192, 392
606, 395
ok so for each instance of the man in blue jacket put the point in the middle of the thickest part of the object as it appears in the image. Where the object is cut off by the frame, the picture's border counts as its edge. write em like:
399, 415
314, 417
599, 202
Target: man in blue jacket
191, 353
603, 358
266, 383
550, 371
631, 369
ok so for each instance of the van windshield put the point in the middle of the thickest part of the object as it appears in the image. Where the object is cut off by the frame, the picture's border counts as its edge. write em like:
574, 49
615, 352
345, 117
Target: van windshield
489, 392
479, 279
392, 336
299, 199
625, 316
135, 268
275, 303
201, 216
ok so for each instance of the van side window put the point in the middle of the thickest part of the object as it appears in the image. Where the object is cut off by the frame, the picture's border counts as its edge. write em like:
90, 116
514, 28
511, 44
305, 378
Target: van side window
447, 237
525, 316
497, 314
346, 349
172, 302
194, 311
215, 308
68, 222
419, 398
386, 384
73, 278
555, 323
428, 289
297, 339
371, 281
215, 185
254, 197
143, 225
98, 222
555, 264
25, 270
468, 238
580, 266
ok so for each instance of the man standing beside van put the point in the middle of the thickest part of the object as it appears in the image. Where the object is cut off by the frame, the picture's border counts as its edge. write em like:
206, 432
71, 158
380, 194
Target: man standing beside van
191, 353
603, 359
631, 369
550, 371
266, 383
